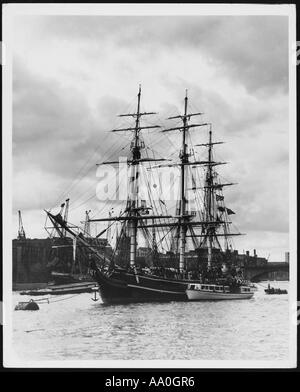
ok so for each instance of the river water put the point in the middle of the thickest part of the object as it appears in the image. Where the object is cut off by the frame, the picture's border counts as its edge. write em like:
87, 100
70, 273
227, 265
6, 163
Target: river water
77, 328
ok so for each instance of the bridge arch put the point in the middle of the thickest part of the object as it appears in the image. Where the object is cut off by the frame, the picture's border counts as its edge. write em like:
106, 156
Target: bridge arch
254, 273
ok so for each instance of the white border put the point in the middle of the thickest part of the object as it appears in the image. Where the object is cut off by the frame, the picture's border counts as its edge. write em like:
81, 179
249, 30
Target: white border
148, 9
9, 12
293, 184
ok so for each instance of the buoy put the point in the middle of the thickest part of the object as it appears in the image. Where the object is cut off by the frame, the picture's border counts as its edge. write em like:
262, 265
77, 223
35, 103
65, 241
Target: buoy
31, 305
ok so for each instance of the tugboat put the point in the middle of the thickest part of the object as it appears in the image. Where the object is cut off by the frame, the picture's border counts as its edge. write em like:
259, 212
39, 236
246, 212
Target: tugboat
271, 290
216, 275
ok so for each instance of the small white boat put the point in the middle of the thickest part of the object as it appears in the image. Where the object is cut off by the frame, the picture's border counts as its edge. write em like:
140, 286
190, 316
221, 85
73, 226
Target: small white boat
202, 292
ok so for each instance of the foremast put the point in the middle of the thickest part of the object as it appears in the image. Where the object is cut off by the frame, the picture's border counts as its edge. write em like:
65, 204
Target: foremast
134, 189
134, 208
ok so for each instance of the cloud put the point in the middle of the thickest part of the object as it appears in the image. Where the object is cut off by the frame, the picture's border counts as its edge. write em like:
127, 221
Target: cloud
54, 129
73, 75
252, 50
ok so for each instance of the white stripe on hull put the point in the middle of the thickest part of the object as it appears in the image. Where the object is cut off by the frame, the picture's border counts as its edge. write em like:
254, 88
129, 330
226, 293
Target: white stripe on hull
197, 295
157, 290
166, 280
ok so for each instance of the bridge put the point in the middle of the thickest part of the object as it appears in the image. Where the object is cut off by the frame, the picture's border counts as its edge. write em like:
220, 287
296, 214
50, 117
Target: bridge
269, 270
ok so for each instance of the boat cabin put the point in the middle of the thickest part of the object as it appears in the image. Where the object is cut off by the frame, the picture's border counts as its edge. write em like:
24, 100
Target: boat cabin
209, 287
245, 289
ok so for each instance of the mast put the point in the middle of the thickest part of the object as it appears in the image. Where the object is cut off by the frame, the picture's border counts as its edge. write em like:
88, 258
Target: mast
133, 206
136, 155
184, 160
183, 219
214, 202
210, 200
210, 191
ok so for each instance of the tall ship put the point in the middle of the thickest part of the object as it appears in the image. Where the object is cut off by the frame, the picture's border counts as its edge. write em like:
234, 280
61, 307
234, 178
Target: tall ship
200, 262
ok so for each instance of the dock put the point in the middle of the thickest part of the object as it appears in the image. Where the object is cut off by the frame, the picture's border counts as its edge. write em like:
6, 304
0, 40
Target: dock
71, 288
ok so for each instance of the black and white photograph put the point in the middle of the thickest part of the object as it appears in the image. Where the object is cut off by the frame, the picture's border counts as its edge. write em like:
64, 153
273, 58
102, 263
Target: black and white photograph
149, 198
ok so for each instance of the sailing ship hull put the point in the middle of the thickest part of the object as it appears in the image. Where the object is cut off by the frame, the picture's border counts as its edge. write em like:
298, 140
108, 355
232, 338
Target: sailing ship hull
132, 288
197, 295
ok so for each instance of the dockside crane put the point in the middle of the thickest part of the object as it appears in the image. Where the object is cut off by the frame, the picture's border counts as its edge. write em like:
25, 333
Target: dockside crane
21, 231
87, 225
66, 215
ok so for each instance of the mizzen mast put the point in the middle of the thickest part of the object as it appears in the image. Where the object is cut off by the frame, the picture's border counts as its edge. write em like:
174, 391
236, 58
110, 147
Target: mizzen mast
210, 188
215, 212
209, 200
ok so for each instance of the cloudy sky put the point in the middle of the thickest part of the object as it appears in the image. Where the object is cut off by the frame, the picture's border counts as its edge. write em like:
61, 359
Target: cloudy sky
73, 74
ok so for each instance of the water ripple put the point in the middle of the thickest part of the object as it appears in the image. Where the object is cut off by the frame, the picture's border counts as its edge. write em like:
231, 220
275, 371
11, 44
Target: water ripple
79, 328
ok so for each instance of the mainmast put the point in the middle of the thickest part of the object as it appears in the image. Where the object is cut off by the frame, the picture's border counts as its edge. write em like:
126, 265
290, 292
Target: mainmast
183, 218
184, 159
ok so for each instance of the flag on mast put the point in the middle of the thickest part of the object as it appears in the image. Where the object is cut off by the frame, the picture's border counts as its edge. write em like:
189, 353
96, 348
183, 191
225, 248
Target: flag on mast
229, 211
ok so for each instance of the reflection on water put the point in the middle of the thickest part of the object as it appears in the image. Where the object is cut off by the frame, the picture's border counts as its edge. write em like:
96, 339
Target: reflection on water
79, 328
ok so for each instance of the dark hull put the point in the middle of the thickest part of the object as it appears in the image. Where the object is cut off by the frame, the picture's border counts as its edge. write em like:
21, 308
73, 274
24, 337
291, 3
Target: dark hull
129, 288
275, 291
